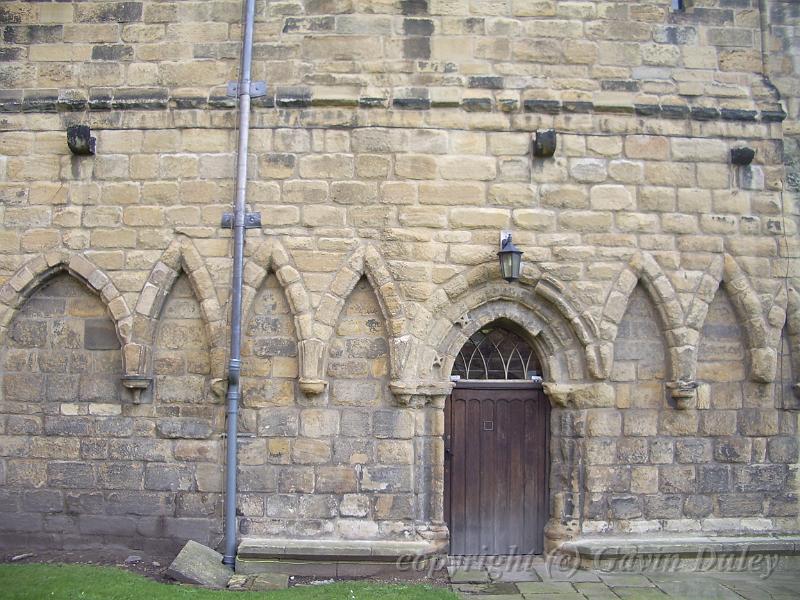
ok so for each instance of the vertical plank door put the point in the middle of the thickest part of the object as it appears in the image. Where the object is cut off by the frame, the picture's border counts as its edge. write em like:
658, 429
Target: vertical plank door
496, 468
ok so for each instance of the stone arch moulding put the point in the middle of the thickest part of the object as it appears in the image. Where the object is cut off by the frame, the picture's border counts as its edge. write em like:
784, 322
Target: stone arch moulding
561, 346
37, 271
763, 358
597, 352
681, 341
365, 261
181, 256
271, 255
792, 320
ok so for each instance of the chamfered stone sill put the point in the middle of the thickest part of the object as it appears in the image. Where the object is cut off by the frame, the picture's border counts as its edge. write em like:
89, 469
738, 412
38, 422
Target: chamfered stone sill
361, 550
613, 547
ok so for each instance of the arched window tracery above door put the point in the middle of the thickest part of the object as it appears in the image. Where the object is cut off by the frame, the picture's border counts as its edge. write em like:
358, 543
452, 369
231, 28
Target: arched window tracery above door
496, 352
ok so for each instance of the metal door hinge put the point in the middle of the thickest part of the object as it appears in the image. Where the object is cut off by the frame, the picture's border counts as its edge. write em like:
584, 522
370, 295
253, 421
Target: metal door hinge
257, 89
251, 220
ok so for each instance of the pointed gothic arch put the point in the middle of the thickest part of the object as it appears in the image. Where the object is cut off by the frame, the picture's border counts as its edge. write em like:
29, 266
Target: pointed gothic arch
181, 256
37, 271
364, 261
644, 269
729, 276
272, 256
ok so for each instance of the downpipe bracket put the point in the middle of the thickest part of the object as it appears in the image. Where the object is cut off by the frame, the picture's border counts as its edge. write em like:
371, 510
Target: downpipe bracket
252, 220
257, 89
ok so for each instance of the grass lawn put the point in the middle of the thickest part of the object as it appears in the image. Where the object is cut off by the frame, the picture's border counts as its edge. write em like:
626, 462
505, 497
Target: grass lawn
84, 582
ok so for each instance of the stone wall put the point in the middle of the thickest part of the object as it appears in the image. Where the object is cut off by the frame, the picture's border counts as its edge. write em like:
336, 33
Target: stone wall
782, 65
481, 55
660, 282
727, 467
82, 465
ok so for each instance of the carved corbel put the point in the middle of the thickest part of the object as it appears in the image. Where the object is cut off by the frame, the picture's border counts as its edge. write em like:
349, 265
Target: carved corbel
417, 394
684, 393
463, 320
313, 387
136, 366
136, 384
311, 360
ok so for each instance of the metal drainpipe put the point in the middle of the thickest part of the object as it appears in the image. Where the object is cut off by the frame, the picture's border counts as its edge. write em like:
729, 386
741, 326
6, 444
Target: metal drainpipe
763, 9
239, 208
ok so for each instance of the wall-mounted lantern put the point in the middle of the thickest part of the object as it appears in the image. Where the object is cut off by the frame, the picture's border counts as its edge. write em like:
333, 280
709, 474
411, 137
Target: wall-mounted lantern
510, 258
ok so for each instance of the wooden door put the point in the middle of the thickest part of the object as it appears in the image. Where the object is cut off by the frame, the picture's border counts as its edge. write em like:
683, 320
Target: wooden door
496, 467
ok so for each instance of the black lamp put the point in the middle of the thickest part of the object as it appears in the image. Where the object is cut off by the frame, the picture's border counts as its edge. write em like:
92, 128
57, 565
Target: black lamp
510, 259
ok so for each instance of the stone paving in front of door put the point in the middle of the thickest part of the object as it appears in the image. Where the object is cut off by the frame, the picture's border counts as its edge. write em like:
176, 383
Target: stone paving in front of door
536, 582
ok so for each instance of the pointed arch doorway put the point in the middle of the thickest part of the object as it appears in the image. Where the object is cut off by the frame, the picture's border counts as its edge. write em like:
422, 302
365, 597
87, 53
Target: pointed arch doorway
496, 446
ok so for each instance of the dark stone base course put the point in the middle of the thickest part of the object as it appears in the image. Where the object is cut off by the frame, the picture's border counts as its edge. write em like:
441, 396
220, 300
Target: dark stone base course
159, 535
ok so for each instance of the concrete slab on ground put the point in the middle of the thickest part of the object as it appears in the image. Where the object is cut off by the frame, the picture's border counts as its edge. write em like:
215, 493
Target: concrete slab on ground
199, 565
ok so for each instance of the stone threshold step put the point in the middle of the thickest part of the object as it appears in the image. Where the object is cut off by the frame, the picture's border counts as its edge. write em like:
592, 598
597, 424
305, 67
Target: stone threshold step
611, 547
271, 548
335, 558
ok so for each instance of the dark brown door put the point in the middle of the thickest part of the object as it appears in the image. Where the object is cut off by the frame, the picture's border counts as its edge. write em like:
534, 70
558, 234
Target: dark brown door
496, 467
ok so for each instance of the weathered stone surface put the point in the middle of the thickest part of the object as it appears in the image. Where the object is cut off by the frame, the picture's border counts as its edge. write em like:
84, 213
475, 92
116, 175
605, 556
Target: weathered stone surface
385, 162
184, 428
200, 565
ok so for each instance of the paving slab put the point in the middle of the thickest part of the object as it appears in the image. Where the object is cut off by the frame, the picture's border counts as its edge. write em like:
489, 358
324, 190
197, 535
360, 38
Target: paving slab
458, 575
626, 580
545, 587
572, 596
514, 576
699, 590
638, 593
601, 585
199, 565
554, 573
269, 581
259, 583
596, 591
487, 588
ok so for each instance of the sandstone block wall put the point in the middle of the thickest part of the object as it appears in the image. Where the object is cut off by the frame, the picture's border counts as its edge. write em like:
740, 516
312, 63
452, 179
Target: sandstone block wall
659, 288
